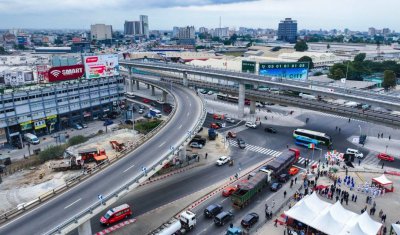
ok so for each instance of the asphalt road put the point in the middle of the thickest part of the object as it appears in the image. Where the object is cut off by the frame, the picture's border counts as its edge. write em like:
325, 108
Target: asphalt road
64, 206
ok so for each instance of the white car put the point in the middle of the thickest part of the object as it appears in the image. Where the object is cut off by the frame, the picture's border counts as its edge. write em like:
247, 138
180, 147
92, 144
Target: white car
196, 145
141, 111
259, 105
251, 125
210, 92
223, 160
230, 120
356, 153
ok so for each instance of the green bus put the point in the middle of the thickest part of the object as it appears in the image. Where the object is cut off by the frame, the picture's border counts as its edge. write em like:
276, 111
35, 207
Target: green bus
322, 138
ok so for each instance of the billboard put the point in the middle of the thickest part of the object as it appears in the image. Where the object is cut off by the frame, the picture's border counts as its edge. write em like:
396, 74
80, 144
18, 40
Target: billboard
101, 65
63, 73
43, 73
248, 66
289, 70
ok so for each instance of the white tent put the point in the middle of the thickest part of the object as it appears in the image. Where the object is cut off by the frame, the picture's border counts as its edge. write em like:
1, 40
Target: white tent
396, 228
382, 180
362, 225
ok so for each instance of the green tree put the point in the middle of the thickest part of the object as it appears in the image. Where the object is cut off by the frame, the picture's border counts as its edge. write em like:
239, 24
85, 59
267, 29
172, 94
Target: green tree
360, 57
216, 39
2, 51
79, 139
338, 74
307, 59
389, 79
301, 46
233, 38
52, 152
337, 71
58, 41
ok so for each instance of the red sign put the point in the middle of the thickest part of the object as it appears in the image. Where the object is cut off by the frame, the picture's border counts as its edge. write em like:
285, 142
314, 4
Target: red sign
66, 73
92, 59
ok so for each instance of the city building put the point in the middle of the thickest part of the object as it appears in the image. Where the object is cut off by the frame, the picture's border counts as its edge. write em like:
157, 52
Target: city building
132, 28
101, 32
144, 20
175, 32
287, 30
43, 109
186, 36
371, 31
221, 32
203, 30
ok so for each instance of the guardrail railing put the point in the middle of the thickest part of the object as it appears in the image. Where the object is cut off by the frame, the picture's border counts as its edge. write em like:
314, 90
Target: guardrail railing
74, 221
26, 206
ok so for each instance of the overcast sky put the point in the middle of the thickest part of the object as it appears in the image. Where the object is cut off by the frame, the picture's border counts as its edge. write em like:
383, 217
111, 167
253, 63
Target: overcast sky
164, 14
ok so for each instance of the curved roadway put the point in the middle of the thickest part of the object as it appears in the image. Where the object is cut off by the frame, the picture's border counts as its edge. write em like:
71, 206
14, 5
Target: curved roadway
64, 206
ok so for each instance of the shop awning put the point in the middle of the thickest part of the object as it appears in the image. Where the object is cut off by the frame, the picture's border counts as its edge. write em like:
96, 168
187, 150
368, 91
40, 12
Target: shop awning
382, 180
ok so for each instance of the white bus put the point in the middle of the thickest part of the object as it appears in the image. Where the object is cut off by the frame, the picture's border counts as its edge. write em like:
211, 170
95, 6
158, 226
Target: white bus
319, 136
129, 95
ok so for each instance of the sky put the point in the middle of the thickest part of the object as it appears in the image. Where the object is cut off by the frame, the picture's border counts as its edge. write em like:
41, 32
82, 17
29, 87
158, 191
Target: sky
164, 14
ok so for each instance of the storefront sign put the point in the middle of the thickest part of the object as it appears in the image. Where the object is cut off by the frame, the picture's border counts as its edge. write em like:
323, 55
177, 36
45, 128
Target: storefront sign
66, 73
40, 124
26, 125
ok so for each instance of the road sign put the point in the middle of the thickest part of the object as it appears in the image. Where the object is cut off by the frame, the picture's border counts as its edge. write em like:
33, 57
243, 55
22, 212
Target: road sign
144, 169
171, 147
100, 197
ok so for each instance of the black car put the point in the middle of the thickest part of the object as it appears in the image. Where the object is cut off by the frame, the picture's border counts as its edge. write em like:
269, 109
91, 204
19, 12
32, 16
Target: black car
249, 220
270, 130
283, 178
275, 187
212, 210
141, 106
241, 143
219, 124
223, 218
128, 122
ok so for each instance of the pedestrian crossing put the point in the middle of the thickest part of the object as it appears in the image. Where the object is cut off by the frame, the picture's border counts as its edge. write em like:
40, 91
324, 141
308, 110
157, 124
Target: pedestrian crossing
302, 160
340, 117
257, 149
370, 159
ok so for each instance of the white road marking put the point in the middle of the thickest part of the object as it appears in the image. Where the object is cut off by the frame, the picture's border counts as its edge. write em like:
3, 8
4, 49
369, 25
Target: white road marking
128, 168
161, 144
180, 126
73, 203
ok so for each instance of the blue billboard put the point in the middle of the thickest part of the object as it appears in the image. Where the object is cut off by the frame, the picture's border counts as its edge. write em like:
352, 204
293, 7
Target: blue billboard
290, 70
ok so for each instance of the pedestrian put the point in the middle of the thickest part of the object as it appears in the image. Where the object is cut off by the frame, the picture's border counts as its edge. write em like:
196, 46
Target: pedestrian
341, 200
378, 135
273, 203
276, 223
366, 201
266, 213
284, 194
381, 135
349, 119
390, 137
359, 161
352, 198
339, 129
295, 180
266, 206
355, 198
374, 204
336, 127
206, 155
383, 164
384, 230
291, 183
380, 213
347, 201
270, 215
337, 197
370, 211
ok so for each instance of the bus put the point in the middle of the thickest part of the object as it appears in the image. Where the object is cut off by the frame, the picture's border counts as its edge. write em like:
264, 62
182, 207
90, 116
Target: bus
305, 141
322, 138
233, 99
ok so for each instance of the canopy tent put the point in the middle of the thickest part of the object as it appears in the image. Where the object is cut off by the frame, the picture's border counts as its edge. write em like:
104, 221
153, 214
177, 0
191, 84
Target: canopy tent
396, 228
384, 182
361, 225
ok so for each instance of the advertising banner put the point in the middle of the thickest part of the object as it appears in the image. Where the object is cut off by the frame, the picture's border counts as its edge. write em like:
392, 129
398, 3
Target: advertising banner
248, 66
290, 70
26, 125
101, 66
63, 73
43, 73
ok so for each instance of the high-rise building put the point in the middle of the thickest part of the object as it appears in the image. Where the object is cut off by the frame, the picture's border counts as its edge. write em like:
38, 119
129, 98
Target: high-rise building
144, 20
287, 30
186, 35
101, 32
203, 30
175, 32
129, 27
371, 31
385, 31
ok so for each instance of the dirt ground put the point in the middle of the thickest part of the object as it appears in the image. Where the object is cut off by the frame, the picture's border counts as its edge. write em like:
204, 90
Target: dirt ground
28, 184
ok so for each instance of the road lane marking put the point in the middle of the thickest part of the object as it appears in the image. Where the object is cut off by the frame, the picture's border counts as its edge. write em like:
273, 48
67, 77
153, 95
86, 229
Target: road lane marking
180, 126
128, 168
73, 203
161, 144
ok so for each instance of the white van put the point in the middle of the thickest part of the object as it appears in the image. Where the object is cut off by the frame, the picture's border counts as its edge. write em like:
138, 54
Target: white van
31, 138
157, 112
356, 153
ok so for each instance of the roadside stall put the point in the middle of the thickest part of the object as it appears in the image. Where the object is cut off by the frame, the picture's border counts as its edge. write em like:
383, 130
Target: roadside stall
384, 183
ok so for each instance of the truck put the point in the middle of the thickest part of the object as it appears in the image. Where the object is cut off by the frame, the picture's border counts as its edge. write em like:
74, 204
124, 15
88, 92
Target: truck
185, 223
212, 134
248, 189
282, 162
81, 160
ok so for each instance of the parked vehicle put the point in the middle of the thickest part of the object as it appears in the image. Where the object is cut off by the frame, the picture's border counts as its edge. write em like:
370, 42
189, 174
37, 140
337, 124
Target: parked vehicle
141, 111
251, 125
214, 126
141, 106
356, 153
220, 124
77, 126
116, 214
223, 160
223, 218
229, 190
187, 221
218, 116
231, 134
241, 143
107, 122
232, 230
196, 145
249, 220
281, 163
212, 134
82, 124
146, 101
283, 178
31, 138
199, 140
270, 130
275, 187
385, 157
212, 210
230, 120
293, 171
248, 189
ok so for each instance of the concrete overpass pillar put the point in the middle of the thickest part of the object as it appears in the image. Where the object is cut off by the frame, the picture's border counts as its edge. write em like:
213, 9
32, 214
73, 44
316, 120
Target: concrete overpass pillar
148, 86
85, 228
153, 92
252, 106
164, 96
241, 100
185, 79
137, 85
132, 84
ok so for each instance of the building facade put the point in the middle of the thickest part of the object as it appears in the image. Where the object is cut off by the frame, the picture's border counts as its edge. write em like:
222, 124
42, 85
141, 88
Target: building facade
132, 28
52, 107
287, 30
101, 32
144, 20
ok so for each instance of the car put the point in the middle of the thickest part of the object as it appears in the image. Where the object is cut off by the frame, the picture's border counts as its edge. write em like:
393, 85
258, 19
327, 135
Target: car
146, 101
362, 139
251, 125
220, 124
252, 174
249, 220
160, 101
223, 160
231, 134
141, 111
141, 106
84, 125
196, 145
270, 130
128, 122
218, 116
241, 143
199, 140
214, 126
283, 178
107, 122
223, 218
269, 103
259, 105
210, 92
212, 210
153, 104
229, 190
275, 187
116, 214
386, 157
77, 126
293, 171
203, 92
230, 120
356, 153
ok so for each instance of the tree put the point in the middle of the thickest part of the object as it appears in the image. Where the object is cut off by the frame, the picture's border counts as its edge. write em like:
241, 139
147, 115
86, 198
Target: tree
233, 38
2, 51
307, 59
360, 57
389, 79
338, 74
301, 46
216, 39
337, 71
